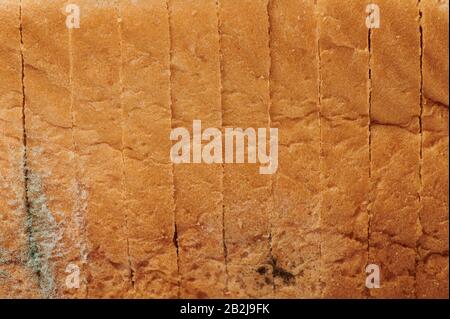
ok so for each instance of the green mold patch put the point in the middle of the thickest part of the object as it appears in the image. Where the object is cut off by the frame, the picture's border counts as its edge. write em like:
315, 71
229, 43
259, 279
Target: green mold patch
43, 235
4, 275
4, 259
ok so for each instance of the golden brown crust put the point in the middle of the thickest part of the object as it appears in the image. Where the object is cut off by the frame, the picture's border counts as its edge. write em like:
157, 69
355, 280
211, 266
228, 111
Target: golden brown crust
395, 167
98, 136
17, 279
52, 189
196, 95
295, 111
432, 271
363, 149
244, 27
145, 101
344, 58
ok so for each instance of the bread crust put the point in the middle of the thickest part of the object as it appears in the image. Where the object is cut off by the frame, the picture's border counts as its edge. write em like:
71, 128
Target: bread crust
98, 133
432, 271
244, 27
17, 279
88, 187
395, 144
196, 95
344, 107
148, 173
294, 110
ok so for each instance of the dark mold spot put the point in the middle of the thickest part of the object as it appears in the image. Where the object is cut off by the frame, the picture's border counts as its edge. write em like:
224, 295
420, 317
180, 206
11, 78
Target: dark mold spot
261, 270
288, 278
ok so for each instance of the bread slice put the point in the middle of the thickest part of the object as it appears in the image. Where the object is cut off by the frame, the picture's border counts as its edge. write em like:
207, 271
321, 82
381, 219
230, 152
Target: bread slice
87, 182
395, 147
147, 169
52, 187
432, 271
434, 24
98, 136
196, 95
295, 112
17, 279
344, 59
244, 27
